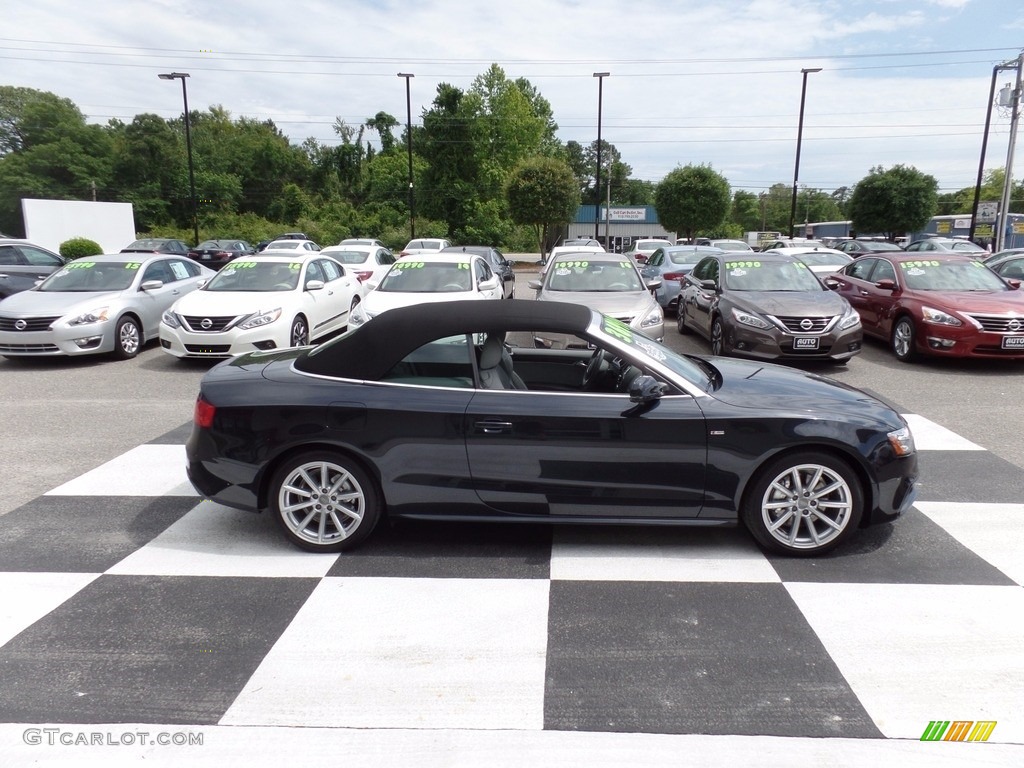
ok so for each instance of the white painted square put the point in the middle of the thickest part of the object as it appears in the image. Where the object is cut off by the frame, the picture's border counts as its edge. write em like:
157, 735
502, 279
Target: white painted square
214, 540
406, 653
913, 653
147, 470
27, 597
929, 436
699, 554
994, 532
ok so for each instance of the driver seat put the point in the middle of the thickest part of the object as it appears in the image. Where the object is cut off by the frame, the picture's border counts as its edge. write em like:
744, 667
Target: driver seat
495, 364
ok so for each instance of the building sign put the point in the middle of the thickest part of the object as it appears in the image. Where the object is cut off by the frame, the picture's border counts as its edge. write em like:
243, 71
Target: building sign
984, 230
961, 223
987, 212
625, 214
943, 227
1018, 227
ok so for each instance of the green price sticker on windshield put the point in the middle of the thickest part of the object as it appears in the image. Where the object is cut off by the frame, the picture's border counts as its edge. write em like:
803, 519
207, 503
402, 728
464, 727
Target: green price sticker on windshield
618, 329
742, 264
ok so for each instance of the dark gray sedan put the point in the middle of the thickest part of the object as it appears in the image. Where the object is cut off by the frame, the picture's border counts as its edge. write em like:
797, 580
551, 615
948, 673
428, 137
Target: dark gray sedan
767, 306
23, 264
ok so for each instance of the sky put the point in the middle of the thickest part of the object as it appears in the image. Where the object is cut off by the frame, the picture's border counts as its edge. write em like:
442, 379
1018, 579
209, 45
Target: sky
689, 81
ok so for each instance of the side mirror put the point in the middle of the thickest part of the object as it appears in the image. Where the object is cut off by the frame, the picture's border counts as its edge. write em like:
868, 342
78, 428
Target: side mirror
152, 285
645, 389
314, 285
886, 285
709, 285
489, 284
1013, 282
535, 284
831, 283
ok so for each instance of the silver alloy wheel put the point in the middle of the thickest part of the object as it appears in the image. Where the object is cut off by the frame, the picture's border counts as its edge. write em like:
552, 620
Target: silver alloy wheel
300, 333
903, 339
807, 506
128, 338
321, 502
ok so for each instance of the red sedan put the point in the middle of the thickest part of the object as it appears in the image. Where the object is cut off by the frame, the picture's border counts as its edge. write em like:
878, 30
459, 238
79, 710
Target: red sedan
942, 304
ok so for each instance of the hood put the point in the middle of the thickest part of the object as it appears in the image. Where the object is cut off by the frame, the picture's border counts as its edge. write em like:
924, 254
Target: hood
230, 303
48, 303
616, 304
791, 303
974, 302
376, 302
752, 384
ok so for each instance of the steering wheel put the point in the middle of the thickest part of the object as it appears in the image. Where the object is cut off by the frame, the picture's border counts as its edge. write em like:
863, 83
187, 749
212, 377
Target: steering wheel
617, 287
594, 368
452, 287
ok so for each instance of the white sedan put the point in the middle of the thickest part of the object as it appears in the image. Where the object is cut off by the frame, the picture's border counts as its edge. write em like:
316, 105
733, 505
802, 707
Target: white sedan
267, 301
369, 262
425, 279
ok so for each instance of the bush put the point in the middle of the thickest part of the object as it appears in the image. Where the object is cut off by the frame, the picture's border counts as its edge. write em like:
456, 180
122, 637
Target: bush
79, 247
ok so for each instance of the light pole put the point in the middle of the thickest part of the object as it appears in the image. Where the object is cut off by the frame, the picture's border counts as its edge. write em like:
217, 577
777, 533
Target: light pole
597, 176
188, 143
799, 138
408, 141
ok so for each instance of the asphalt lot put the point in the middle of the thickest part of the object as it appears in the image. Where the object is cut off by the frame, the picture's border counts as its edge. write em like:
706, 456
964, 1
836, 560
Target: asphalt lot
63, 417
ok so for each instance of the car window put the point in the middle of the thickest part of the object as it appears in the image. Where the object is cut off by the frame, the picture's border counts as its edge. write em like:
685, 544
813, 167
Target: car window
443, 362
884, 271
385, 257
183, 269
411, 276
158, 270
603, 275
8, 255
484, 270
861, 268
331, 270
314, 272
751, 275
38, 257
656, 258
935, 275
1012, 268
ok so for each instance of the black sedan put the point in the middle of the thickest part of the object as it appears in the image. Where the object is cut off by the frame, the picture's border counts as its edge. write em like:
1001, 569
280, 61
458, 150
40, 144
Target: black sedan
770, 306
426, 412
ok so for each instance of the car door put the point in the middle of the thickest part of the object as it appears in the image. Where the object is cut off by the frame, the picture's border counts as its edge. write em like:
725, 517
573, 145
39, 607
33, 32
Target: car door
702, 300
22, 266
486, 284
857, 284
326, 309
152, 303
572, 454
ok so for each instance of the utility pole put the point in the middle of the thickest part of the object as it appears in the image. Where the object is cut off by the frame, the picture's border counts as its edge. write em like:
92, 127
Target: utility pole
1004, 203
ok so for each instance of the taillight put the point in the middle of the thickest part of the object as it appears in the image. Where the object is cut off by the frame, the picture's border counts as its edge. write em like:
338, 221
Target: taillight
203, 414
364, 276
673, 276
403, 253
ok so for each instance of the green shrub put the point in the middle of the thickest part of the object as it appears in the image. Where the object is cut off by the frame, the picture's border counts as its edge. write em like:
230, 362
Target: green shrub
79, 247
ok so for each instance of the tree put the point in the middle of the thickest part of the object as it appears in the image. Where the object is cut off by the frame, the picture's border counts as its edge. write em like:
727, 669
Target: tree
745, 212
692, 199
542, 192
383, 124
893, 202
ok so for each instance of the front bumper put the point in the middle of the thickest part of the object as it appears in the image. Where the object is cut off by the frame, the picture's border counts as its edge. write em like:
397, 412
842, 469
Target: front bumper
59, 339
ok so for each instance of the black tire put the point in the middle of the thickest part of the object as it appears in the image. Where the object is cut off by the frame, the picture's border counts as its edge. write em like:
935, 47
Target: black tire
127, 338
903, 341
822, 507
681, 325
298, 336
717, 337
324, 501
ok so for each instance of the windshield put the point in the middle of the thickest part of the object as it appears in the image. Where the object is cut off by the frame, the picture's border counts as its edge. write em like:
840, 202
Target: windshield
256, 276
753, 275
350, 257
427, 277
685, 367
584, 275
880, 246
930, 275
88, 276
824, 259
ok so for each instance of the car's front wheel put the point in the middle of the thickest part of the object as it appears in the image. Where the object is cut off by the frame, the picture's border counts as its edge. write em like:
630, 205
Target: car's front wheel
903, 340
803, 504
298, 336
717, 337
127, 338
324, 501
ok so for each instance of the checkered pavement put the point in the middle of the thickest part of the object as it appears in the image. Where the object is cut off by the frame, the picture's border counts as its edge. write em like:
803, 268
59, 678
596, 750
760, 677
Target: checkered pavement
131, 605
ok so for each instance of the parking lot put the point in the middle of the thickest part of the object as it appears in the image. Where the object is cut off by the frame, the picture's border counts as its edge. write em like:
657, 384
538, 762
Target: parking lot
455, 646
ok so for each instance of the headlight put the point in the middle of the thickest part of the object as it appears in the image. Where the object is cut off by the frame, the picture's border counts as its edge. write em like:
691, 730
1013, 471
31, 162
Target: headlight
170, 319
902, 441
654, 317
259, 319
849, 320
939, 317
358, 315
93, 316
746, 318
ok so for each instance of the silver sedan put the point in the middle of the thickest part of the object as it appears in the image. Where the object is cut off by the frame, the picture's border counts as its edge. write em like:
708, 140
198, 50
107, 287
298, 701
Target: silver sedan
97, 304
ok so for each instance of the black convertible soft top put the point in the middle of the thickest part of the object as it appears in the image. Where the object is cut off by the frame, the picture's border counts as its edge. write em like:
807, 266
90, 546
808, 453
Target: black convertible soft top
372, 350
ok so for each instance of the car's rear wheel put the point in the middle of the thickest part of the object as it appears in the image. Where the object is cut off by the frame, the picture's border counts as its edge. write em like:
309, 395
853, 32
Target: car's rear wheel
803, 504
681, 325
127, 338
903, 340
324, 501
717, 337
299, 334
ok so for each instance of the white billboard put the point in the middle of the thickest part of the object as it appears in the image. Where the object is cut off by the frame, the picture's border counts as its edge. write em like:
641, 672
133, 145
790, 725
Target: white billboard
50, 222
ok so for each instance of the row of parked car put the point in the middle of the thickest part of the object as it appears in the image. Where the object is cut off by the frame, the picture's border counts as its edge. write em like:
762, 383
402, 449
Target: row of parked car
290, 293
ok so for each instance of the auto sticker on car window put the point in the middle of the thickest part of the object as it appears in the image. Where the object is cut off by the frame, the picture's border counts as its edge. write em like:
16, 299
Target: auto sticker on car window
132, 265
615, 327
235, 265
78, 265
179, 270
654, 351
909, 266
734, 265
574, 264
